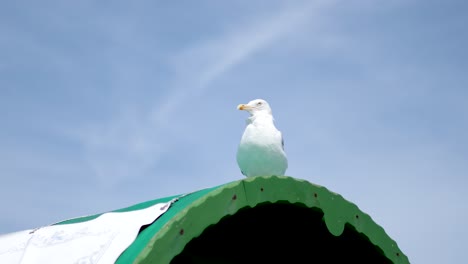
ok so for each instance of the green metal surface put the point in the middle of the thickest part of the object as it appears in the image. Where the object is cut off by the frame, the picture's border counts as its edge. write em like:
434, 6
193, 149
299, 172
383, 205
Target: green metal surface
187, 218
191, 220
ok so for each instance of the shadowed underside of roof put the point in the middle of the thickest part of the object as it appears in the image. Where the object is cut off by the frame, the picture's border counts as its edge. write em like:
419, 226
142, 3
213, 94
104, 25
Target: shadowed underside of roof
278, 233
260, 219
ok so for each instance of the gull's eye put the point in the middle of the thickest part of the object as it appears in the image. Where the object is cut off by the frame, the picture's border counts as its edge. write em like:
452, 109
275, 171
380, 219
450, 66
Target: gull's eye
259, 103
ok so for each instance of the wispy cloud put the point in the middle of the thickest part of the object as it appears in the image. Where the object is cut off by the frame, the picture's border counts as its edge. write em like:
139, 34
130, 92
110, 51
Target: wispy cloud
131, 142
199, 65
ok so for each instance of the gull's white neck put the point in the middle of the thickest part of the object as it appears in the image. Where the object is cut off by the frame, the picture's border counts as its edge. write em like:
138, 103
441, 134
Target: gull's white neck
260, 117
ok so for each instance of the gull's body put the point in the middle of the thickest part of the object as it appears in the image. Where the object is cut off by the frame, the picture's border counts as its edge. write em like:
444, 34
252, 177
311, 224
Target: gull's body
261, 151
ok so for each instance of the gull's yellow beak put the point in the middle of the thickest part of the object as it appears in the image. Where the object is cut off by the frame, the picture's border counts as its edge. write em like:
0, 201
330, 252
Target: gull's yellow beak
242, 107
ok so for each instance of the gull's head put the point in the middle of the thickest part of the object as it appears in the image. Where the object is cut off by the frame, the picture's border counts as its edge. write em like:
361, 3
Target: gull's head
256, 106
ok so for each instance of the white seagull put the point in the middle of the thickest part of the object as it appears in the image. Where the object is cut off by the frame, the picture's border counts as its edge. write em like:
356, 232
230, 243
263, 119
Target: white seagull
261, 149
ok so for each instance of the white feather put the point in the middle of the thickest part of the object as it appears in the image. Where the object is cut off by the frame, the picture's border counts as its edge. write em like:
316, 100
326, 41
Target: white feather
260, 151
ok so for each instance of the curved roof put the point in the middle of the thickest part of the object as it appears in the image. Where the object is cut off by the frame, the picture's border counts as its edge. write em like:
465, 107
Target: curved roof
263, 202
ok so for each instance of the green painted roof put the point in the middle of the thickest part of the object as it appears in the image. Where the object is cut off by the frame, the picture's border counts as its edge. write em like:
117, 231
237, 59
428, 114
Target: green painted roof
259, 213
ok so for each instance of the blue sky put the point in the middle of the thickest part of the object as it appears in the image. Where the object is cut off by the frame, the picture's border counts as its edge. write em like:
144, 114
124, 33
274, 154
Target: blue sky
104, 104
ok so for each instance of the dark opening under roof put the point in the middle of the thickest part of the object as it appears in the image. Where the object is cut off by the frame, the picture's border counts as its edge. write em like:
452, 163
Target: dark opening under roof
278, 233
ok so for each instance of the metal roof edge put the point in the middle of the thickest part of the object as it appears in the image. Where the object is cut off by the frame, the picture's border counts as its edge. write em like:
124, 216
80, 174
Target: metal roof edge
191, 215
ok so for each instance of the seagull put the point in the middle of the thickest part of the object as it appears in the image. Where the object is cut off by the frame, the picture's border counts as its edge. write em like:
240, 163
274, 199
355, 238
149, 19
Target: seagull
261, 149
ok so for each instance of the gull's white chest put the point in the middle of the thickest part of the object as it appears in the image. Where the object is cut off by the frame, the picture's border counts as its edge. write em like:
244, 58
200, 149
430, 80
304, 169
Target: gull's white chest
261, 136
260, 151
